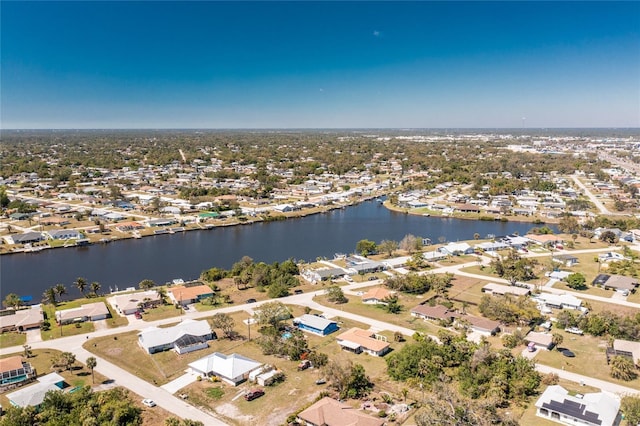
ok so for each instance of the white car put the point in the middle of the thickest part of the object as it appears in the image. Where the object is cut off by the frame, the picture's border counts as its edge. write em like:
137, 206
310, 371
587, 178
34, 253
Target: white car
149, 402
574, 330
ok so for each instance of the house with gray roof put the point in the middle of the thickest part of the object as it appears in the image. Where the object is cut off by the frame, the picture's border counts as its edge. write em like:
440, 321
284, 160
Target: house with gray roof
34, 395
315, 324
592, 409
187, 336
27, 237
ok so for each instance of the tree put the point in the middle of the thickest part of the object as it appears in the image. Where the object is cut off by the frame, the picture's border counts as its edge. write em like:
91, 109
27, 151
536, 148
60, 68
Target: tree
335, 294
388, 246
81, 284
392, 305
27, 351
162, 294
12, 301
569, 224
173, 421
49, 296
4, 198
410, 243
556, 340
622, 368
576, 281
348, 379
146, 284
95, 287
60, 290
416, 262
630, 406
366, 247
272, 314
65, 361
92, 362
608, 237
224, 322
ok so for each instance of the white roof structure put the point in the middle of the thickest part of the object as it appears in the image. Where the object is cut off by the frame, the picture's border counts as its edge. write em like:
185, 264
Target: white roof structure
225, 366
152, 337
600, 408
87, 310
313, 321
506, 289
126, 302
34, 395
565, 300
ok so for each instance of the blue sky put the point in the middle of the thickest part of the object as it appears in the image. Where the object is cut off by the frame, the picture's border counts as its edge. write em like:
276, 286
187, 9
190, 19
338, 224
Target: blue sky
312, 65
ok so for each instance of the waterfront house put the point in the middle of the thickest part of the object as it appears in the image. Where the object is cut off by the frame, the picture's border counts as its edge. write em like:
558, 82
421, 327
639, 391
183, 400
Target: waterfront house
315, 324
64, 234
87, 312
233, 369
34, 395
322, 274
187, 336
376, 296
189, 293
591, 409
456, 249
544, 239
26, 238
357, 340
21, 319
15, 370
128, 304
329, 412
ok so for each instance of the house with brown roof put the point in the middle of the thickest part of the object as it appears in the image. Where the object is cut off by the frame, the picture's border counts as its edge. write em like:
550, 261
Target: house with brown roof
479, 324
15, 370
376, 296
21, 319
544, 239
621, 283
540, 340
187, 294
329, 412
357, 340
434, 313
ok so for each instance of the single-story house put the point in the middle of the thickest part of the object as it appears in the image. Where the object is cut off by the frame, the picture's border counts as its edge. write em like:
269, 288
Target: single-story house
21, 319
480, 324
466, 208
626, 348
129, 226
558, 275
15, 370
610, 256
492, 246
151, 223
87, 312
186, 294
616, 282
544, 239
315, 324
329, 412
565, 259
433, 256
34, 395
501, 289
64, 234
456, 249
593, 409
376, 296
559, 301
434, 313
233, 369
323, 274
362, 265
187, 336
540, 340
128, 304
26, 238
358, 340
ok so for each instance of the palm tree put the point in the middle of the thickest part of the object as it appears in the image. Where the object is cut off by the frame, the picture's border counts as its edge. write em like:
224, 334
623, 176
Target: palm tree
60, 289
49, 296
557, 340
81, 284
622, 368
162, 294
91, 364
95, 286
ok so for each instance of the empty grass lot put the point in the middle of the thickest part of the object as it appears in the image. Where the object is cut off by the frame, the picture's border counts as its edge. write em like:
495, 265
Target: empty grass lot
11, 338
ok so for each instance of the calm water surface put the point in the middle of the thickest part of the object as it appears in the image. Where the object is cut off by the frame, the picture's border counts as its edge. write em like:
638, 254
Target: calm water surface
184, 255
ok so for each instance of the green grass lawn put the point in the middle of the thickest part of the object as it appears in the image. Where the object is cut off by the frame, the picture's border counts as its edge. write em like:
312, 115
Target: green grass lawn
56, 330
9, 339
590, 359
161, 312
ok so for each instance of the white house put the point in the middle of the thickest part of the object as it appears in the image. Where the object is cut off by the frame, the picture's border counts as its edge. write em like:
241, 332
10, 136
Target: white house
64, 234
233, 369
456, 249
595, 409
187, 336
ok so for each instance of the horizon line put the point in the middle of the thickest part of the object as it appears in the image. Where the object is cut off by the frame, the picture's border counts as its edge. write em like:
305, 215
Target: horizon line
318, 128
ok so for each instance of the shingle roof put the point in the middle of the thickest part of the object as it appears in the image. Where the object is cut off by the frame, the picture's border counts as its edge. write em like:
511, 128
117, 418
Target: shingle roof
313, 321
229, 366
363, 338
330, 412
152, 337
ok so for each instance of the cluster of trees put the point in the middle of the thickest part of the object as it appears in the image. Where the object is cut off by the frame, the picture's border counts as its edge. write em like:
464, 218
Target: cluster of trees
514, 267
419, 284
272, 317
54, 294
410, 243
510, 310
480, 372
348, 379
276, 278
602, 323
335, 294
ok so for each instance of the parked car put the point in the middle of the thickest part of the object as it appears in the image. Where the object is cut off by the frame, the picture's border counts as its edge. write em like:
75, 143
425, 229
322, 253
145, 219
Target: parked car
251, 300
574, 330
373, 278
298, 291
185, 307
321, 382
568, 353
149, 402
253, 394
138, 315
304, 365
